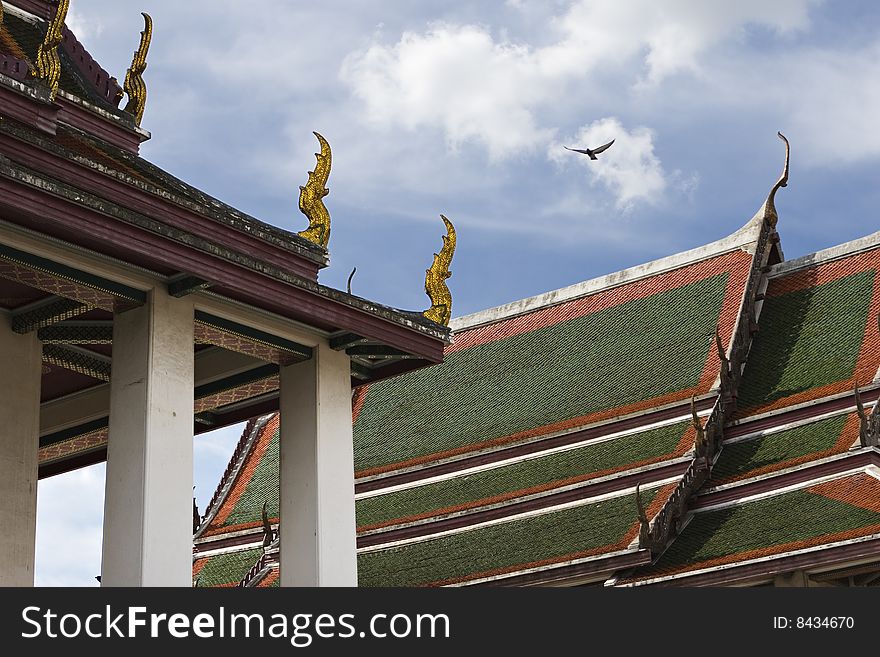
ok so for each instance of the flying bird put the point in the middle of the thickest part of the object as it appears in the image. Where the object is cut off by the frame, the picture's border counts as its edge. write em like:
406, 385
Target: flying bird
592, 152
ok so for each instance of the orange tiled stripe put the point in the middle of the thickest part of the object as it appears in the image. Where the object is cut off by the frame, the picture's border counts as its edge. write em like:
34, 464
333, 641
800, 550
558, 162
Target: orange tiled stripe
269, 579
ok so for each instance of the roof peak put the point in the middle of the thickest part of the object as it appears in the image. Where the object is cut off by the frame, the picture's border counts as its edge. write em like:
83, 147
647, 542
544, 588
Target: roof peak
745, 239
866, 243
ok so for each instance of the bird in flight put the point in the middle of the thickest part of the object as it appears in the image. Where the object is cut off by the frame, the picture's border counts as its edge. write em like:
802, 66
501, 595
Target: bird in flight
592, 152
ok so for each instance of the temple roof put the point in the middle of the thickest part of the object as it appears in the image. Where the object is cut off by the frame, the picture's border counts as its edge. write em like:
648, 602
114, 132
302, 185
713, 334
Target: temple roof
515, 461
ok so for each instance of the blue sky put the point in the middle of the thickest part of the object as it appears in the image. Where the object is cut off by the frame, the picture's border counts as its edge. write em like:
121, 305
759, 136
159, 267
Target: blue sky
463, 108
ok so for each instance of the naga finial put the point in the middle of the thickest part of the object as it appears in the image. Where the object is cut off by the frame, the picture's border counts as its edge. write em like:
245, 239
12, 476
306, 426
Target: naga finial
769, 209
311, 197
700, 440
435, 279
134, 84
268, 534
644, 524
48, 64
869, 423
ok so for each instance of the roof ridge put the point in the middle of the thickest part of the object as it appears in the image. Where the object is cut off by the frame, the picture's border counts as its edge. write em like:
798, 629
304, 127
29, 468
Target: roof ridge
853, 247
745, 236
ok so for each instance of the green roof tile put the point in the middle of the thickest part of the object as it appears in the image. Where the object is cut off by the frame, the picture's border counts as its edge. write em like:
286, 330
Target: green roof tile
808, 338
548, 536
228, 568
741, 458
635, 351
594, 457
263, 487
764, 523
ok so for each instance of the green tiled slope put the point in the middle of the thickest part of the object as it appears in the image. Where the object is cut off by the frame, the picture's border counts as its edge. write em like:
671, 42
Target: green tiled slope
262, 487
778, 520
629, 353
228, 568
808, 339
749, 455
497, 546
520, 475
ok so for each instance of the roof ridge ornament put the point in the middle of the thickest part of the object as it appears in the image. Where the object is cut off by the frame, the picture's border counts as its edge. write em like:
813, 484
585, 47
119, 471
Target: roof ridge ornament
644, 524
134, 84
701, 443
869, 423
769, 209
268, 534
311, 196
48, 64
435, 279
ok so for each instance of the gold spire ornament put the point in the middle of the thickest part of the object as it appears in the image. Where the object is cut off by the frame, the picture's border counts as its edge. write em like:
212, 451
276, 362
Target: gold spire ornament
435, 279
769, 209
134, 84
48, 65
311, 198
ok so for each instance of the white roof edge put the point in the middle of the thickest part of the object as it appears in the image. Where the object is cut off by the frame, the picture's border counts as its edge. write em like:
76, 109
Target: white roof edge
23, 13
853, 247
744, 237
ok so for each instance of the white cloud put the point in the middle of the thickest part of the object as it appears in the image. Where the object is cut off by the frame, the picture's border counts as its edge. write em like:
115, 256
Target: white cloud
474, 86
629, 169
456, 78
84, 28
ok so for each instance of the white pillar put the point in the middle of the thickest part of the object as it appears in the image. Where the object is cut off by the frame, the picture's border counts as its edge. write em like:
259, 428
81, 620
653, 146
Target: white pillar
148, 495
21, 358
318, 542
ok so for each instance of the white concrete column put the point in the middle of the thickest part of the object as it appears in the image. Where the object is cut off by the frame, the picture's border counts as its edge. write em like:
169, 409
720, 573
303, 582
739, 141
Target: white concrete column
317, 472
148, 494
21, 358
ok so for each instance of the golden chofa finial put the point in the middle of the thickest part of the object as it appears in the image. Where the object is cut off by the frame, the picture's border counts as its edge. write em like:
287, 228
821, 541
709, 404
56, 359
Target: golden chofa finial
48, 65
769, 209
134, 84
311, 197
435, 279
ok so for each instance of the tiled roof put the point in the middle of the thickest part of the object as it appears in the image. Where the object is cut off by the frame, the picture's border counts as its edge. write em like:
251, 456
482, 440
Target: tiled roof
526, 476
256, 482
226, 569
515, 458
777, 450
617, 351
513, 545
818, 334
837, 510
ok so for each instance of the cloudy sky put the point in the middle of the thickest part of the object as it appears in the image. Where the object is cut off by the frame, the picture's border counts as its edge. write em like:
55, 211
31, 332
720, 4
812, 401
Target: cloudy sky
463, 108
